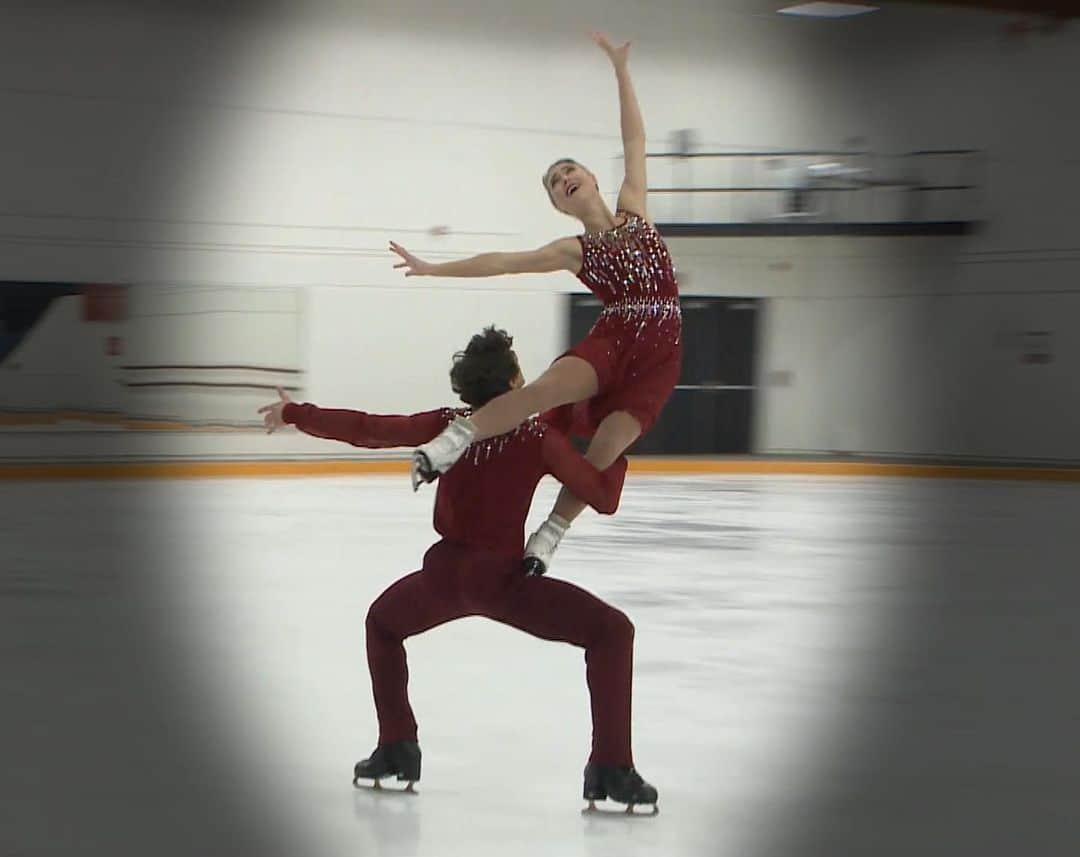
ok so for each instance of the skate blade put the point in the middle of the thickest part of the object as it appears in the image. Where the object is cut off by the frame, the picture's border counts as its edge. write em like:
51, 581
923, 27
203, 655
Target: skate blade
533, 566
420, 471
647, 811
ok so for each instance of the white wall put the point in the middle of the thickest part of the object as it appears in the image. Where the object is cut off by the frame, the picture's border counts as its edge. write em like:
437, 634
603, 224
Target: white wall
286, 149
905, 346
914, 346
64, 365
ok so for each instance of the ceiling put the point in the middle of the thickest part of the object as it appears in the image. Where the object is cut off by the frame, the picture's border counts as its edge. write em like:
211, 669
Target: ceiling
1057, 8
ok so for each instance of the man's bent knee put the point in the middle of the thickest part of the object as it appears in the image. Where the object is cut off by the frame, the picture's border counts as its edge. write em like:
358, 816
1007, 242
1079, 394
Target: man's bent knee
617, 625
374, 623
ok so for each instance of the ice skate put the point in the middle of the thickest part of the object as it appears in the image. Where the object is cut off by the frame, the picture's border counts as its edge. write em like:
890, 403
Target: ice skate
440, 453
618, 783
401, 759
541, 546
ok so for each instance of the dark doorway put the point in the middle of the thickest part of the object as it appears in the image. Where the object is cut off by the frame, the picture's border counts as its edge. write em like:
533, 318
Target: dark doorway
711, 411
22, 306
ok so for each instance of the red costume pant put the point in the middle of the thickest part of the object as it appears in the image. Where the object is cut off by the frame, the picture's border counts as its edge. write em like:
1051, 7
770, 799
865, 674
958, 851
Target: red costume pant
459, 581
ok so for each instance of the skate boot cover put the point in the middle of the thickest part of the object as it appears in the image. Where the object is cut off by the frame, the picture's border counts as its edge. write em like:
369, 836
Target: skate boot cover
540, 548
440, 453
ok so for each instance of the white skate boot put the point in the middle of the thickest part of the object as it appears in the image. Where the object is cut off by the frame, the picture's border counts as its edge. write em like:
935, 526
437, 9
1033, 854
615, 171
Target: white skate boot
541, 545
439, 454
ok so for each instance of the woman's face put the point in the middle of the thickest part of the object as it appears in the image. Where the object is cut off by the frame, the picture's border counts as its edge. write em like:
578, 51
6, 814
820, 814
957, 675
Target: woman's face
570, 185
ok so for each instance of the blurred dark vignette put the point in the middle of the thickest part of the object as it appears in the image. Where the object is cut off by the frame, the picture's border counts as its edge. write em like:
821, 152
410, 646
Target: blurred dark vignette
967, 735
110, 744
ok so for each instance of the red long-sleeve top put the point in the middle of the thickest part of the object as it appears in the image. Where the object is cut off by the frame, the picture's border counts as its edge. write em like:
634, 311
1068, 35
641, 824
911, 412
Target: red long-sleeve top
484, 499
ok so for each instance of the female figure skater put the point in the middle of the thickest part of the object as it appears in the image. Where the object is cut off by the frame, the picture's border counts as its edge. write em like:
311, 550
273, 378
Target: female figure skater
623, 372
475, 570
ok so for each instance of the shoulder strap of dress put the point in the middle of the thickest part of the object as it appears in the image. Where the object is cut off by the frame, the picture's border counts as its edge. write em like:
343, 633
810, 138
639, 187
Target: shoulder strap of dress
629, 212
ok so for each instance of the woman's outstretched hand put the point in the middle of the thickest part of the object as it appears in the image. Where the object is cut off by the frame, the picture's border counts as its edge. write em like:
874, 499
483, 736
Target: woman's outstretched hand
413, 265
617, 55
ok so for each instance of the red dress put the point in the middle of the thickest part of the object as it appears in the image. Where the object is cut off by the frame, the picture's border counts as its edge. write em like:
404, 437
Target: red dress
636, 344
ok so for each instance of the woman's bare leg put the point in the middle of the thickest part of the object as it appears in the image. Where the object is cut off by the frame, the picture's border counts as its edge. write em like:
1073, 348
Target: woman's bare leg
613, 437
568, 379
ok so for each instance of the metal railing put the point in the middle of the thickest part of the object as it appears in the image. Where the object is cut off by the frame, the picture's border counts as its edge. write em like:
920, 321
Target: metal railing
856, 187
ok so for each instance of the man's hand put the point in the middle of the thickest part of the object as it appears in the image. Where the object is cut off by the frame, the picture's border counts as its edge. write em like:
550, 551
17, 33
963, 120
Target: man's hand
272, 413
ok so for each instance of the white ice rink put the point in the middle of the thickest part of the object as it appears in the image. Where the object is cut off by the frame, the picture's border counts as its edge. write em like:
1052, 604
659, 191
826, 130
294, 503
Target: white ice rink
760, 604
753, 600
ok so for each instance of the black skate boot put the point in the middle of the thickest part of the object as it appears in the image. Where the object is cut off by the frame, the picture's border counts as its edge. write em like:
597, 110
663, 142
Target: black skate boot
400, 759
618, 783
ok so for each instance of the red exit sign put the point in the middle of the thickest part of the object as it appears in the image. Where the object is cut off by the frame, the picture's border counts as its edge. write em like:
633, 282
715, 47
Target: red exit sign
105, 302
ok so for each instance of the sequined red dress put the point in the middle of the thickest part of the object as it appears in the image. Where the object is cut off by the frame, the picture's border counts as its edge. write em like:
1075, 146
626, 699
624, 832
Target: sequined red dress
636, 344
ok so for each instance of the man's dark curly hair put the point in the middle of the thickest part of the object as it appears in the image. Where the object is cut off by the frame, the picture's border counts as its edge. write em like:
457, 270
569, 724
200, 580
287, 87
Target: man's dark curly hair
485, 368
